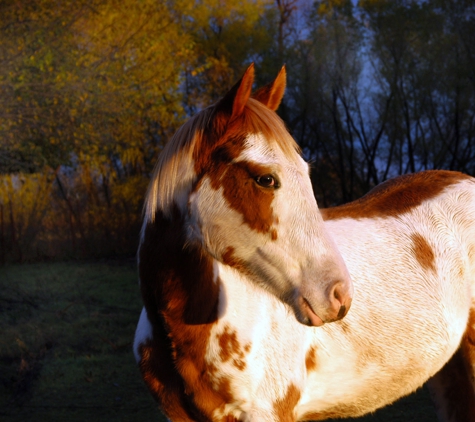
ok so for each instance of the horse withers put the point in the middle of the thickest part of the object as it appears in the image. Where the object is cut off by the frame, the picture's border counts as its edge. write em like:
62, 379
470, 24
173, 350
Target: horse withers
246, 283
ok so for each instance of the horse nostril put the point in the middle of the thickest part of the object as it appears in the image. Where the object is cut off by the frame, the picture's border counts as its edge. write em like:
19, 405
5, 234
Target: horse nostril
341, 312
336, 294
340, 300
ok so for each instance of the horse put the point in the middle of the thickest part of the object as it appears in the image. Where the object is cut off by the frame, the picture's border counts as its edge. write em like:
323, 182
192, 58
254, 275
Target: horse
259, 306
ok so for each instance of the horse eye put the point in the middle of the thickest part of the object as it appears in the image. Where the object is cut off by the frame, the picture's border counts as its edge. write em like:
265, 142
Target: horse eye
267, 181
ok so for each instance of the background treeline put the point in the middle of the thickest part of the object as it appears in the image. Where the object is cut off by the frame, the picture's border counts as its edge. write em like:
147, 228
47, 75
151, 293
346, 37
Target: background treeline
91, 90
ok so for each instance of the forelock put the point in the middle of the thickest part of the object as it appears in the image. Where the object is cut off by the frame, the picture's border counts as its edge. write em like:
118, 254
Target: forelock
174, 171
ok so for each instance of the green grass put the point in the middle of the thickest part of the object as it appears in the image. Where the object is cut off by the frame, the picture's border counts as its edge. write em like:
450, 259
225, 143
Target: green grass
66, 344
66, 333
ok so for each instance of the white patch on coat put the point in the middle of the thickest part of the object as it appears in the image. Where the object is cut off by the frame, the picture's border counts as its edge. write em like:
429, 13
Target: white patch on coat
143, 333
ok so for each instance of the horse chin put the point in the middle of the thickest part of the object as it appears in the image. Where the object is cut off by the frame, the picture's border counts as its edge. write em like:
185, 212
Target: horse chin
306, 315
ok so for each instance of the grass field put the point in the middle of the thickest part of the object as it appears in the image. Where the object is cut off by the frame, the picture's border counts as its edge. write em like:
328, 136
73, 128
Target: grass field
66, 334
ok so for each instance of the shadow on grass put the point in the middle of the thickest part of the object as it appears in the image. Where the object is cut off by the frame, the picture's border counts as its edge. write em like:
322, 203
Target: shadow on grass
66, 348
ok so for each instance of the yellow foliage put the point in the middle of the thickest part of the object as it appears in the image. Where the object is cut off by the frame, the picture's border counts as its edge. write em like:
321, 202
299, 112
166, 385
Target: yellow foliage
91, 91
25, 200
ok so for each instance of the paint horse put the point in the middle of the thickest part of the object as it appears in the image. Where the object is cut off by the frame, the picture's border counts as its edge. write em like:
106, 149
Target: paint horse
246, 283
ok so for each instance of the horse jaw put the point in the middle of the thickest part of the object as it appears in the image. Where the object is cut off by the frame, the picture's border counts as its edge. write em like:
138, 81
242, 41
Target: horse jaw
313, 280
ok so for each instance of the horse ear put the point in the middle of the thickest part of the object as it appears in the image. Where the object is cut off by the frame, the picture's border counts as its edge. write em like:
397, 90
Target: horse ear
271, 95
235, 100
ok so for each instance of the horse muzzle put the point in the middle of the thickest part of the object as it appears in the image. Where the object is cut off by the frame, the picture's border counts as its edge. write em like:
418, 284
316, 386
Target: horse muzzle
315, 310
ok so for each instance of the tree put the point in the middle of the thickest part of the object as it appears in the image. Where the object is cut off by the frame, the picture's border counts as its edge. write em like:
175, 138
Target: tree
382, 89
89, 78
420, 58
227, 36
93, 89
324, 104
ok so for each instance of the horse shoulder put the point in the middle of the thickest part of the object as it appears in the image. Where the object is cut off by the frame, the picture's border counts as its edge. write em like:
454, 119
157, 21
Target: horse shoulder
257, 348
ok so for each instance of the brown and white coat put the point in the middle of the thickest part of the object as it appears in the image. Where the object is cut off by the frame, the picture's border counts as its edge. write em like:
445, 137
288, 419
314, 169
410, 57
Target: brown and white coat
245, 282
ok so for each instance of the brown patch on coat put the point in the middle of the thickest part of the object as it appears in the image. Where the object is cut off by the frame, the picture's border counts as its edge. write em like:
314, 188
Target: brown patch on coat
311, 360
284, 408
230, 259
396, 196
231, 348
237, 179
470, 333
245, 196
163, 382
423, 252
229, 418
181, 299
452, 391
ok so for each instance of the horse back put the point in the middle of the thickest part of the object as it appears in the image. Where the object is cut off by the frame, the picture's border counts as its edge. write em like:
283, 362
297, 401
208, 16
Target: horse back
402, 194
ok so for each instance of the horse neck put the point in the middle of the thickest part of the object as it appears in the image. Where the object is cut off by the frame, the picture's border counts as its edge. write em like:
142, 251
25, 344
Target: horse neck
186, 292
177, 281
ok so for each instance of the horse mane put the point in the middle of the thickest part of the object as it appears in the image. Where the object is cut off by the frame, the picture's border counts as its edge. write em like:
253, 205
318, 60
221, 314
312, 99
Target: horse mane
174, 171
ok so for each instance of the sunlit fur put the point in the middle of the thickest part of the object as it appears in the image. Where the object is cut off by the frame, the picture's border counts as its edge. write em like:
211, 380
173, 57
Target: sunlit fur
409, 248
174, 173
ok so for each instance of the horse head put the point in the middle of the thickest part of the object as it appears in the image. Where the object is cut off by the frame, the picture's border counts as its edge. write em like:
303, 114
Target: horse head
244, 193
